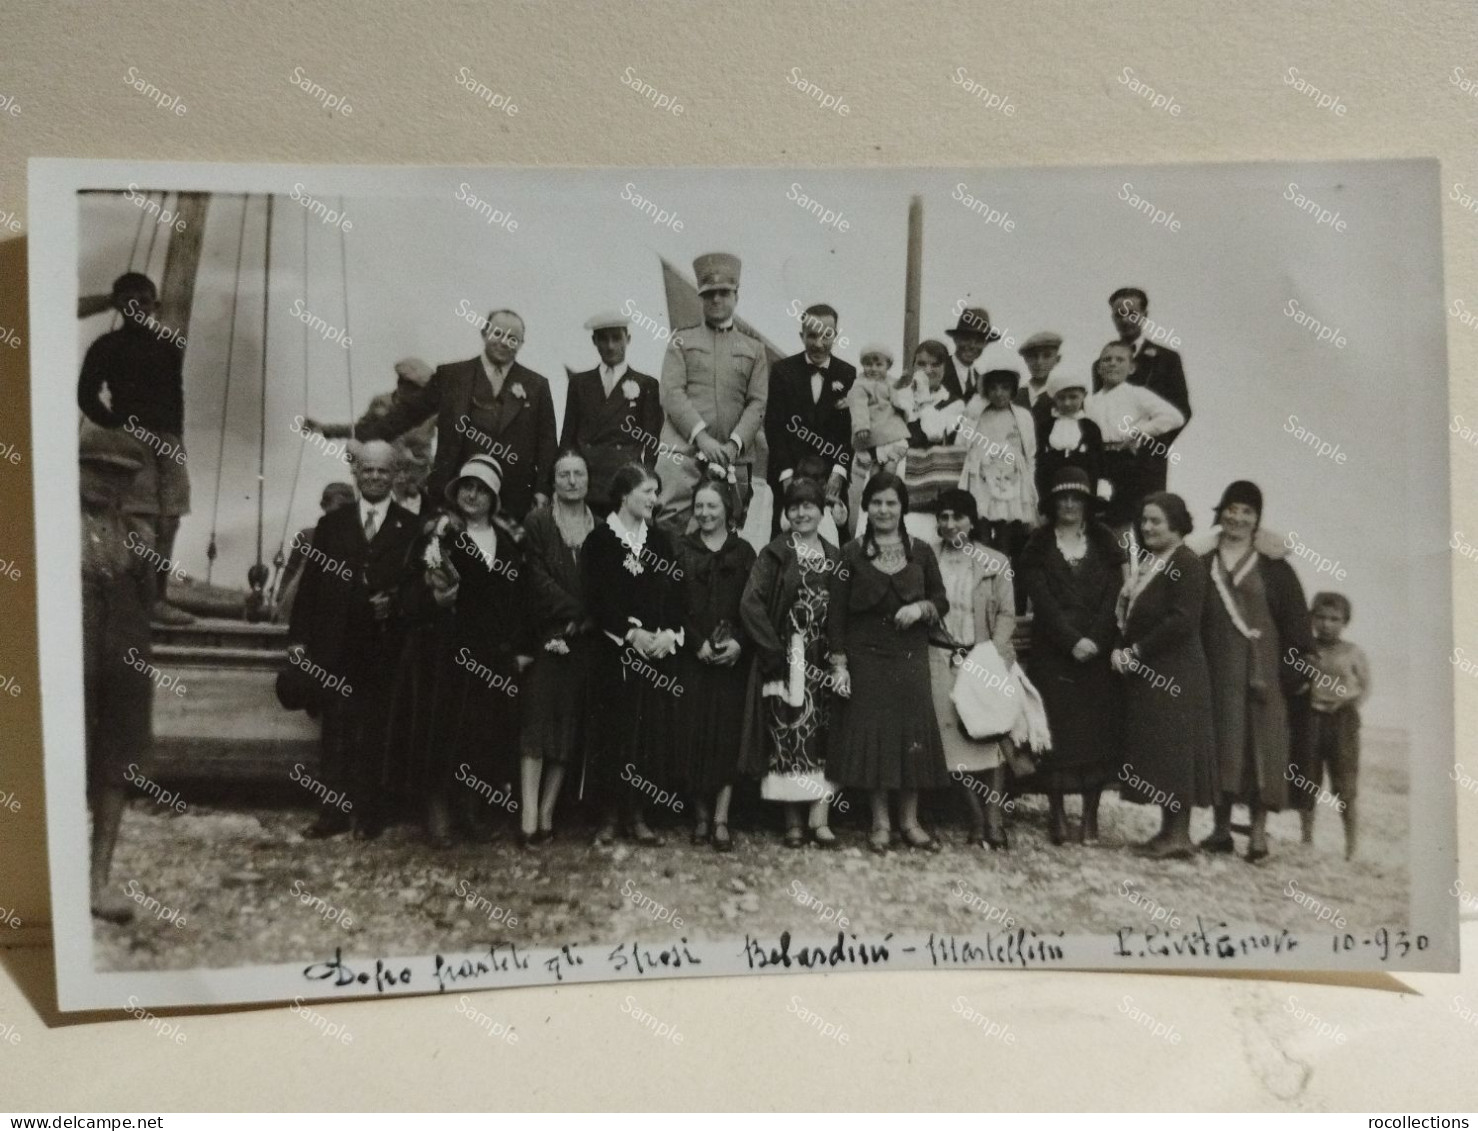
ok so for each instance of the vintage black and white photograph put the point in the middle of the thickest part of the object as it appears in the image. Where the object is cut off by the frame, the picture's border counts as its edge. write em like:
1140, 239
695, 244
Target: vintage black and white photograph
456, 578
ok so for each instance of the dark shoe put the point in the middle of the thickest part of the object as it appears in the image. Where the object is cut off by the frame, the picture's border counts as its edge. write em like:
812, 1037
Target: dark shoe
916, 837
825, 838
1219, 843
1088, 834
541, 836
1172, 850
701, 832
328, 825
1257, 849
605, 835
112, 906
1057, 827
878, 841
795, 838
999, 842
722, 841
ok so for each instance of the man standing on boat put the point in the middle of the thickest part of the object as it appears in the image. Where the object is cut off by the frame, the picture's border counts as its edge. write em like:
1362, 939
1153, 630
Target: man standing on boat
133, 380
489, 405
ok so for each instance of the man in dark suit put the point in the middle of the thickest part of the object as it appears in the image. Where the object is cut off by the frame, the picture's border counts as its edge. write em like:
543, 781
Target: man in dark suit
972, 333
1156, 367
806, 413
613, 414
489, 405
345, 641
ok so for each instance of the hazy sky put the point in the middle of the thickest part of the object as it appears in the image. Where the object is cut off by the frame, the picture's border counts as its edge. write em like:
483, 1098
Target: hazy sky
1222, 282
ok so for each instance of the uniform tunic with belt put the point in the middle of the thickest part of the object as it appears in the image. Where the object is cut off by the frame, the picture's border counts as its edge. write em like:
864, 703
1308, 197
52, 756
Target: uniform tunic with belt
888, 737
717, 378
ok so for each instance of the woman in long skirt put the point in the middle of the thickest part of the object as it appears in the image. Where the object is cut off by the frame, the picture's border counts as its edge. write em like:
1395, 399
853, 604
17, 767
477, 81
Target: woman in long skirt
455, 711
887, 594
716, 564
1167, 692
788, 706
555, 687
630, 579
1255, 616
1072, 570
982, 608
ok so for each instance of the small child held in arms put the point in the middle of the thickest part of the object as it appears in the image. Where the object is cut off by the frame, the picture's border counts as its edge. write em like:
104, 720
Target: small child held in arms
1337, 688
878, 408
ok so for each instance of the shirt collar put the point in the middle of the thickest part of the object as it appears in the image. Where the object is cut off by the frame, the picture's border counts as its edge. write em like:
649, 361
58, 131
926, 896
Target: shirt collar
727, 324
366, 508
824, 367
492, 370
614, 374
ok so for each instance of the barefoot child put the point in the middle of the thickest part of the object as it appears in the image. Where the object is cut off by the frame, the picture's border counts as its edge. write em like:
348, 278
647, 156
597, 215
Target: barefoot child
1337, 688
879, 430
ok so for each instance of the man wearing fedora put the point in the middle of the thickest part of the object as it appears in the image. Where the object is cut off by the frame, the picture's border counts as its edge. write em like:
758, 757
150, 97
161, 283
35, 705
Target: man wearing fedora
972, 333
1156, 367
715, 380
613, 414
488, 405
1040, 352
806, 410
345, 639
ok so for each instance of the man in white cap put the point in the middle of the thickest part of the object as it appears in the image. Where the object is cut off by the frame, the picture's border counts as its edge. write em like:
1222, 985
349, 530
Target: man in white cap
613, 414
1040, 352
715, 380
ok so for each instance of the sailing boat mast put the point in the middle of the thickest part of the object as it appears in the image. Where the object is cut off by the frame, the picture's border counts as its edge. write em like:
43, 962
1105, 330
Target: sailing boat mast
913, 279
256, 576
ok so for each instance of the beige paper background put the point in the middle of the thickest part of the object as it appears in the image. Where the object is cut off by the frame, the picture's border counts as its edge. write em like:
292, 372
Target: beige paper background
63, 64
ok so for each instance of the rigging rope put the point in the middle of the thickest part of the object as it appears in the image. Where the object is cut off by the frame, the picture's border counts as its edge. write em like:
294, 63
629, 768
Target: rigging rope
292, 496
256, 576
210, 552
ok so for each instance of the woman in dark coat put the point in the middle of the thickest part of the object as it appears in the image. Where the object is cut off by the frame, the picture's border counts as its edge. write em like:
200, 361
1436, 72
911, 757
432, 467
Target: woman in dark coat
788, 710
555, 688
1255, 614
1072, 570
887, 595
1167, 694
716, 563
455, 711
632, 585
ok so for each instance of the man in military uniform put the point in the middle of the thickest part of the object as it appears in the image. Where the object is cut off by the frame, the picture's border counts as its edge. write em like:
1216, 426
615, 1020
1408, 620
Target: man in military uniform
715, 378
613, 414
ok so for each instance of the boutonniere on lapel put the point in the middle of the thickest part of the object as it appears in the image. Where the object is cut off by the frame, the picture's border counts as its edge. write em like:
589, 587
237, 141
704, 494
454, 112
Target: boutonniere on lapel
519, 392
1148, 351
630, 390
836, 386
633, 565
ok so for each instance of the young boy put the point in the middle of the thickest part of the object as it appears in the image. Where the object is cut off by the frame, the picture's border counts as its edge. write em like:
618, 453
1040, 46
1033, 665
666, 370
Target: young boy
1337, 688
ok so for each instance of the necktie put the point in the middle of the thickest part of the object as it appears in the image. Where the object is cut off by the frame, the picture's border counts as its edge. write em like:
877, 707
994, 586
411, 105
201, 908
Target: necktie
370, 526
818, 378
607, 379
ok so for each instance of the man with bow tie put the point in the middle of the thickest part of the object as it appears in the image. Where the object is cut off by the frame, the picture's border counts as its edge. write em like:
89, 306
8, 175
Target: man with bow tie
806, 412
613, 414
490, 405
715, 379
345, 640
1156, 367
